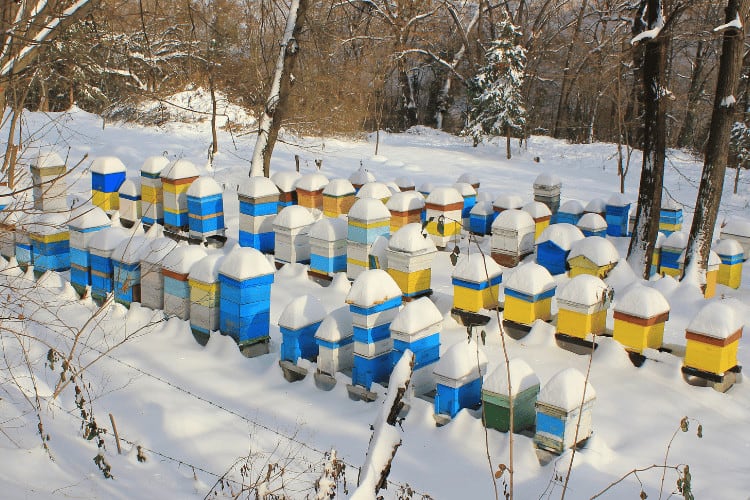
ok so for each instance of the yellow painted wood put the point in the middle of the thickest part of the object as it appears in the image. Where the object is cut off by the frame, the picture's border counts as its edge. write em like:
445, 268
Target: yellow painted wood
577, 324
360, 263
670, 227
308, 200
520, 311
730, 275
582, 265
50, 238
636, 338
413, 282
205, 294
711, 358
399, 221
173, 188
105, 201
151, 194
450, 229
540, 226
368, 225
333, 206
711, 278
675, 273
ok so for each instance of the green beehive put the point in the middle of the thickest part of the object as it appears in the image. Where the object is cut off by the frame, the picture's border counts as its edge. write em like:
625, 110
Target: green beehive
495, 397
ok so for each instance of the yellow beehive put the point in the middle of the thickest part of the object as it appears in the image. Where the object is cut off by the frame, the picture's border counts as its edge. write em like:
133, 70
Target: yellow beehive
712, 274
406, 208
338, 198
541, 215
151, 194
594, 255
105, 201
713, 337
528, 294
309, 189
639, 316
730, 269
472, 290
412, 283
582, 306
378, 190
410, 257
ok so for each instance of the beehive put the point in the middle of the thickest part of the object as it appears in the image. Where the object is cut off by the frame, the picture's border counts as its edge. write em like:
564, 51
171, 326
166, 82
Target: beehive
126, 268
205, 208
246, 277
547, 190
656, 256
405, 183
205, 295
443, 211
476, 283
338, 197
639, 316
496, 393
291, 229
176, 271
360, 177
299, 322
374, 300
670, 216
377, 190
596, 206
469, 195
50, 185
671, 250
582, 306
285, 181
512, 237
50, 242
152, 280
405, 208
737, 229
563, 411
107, 175
481, 217
328, 246
554, 244
617, 215
730, 270
426, 188
152, 194
176, 179
23, 244
410, 257
368, 219
259, 204
507, 201
541, 215
528, 294
458, 377
592, 224
713, 338
129, 196
417, 328
469, 178
8, 221
335, 339
101, 245
593, 255
309, 189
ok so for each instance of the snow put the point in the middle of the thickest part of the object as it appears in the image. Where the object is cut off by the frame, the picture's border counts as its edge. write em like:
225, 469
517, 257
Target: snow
107, 239
302, 311
338, 187
462, 361
547, 179
482, 208
311, 182
641, 301
717, 319
597, 205
131, 187
678, 239
592, 222
49, 159
107, 165
728, 247
536, 209
571, 207
203, 187
443, 196
154, 164
508, 201
410, 239
582, 289
393, 187
130, 250
336, 326
49, 223
180, 169
257, 187
377, 190
618, 200
736, 24
243, 263
565, 390
293, 216
206, 270
513, 219
158, 249
598, 250
468, 178
563, 235
476, 268
372, 287
426, 187
285, 180
182, 258
530, 278
465, 189
417, 315
669, 203
328, 229
522, 378
738, 226
369, 209
404, 182
361, 177
405, 201
646, 35
88, 216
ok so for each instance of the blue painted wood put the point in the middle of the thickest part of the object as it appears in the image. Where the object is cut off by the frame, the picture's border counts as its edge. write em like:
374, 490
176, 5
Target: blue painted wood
328, 264
259, 209
426, 350
107, 183
24, 254
176, 288
205, 206
265, 242
362, 235
59, 262
79, 257
367, 371
530, 298
469, 202
245, 295
151, 220
477, 286
549, 424
449, 400
79, 277
206, 225
371, 335
565, 217
388, 304
731, 259
551, 257
601, 232
334, 345
264, 279
481, 224
176, 220
299, 343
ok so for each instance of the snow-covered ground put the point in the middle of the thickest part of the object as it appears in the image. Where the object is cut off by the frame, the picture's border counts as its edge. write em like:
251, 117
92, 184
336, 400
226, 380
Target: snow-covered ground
195, 411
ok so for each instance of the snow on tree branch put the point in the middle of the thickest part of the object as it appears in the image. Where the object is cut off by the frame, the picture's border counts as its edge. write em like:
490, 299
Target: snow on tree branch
735, 25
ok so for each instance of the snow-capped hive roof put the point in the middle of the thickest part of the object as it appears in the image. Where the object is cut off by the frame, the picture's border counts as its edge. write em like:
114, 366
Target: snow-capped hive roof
338, 187
426, 187
206, 270
108, 238
88, 216
409, 239
393, 187
158, 249
328, 229
204, 186
49, 159
530, 278
182, 258
592, 222
537, 209
465, 189
485, 195
372, 287
48, 223
462, 361
405, 201
513, 219
293, 216
444, 196
361, 177
417, 315
378, 190
180, 169
244, 263
154, 164
483, 208
618, 200
257, 187
598, 250
728, 247
302, 311
285, 180
642, 302
369, 209
311, 182
669, 203
404, 182
338, 325
508, 200
131, 187
716, 319
547, 179
475, 268
597, 205
583, 289
565, 390
106, 165
562, 235
468, 178
571, 207
130, 250
522, 377
678, 239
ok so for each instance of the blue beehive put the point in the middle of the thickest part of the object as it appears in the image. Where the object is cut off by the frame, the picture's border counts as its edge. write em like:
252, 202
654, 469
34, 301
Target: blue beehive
259, 204
374, 300
299, 322
126, 266
553, 246
417, 328
470, 198
592, 224
671, 249
205, 208
50, 241
670, 216
617, 215
570, 212
101, 245
328, 246
481, 216
175, 270
245, 278
459, 378
175, 182
107, 175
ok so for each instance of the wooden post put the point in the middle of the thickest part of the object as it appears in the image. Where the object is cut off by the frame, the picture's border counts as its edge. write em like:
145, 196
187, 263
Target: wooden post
296, 161
117, 436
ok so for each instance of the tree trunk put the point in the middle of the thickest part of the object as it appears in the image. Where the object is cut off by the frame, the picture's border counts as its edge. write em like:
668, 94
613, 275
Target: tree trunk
270, 121
697, 83
717, 147
507, 142
646, 228
737, 177
214, 138
561, 123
